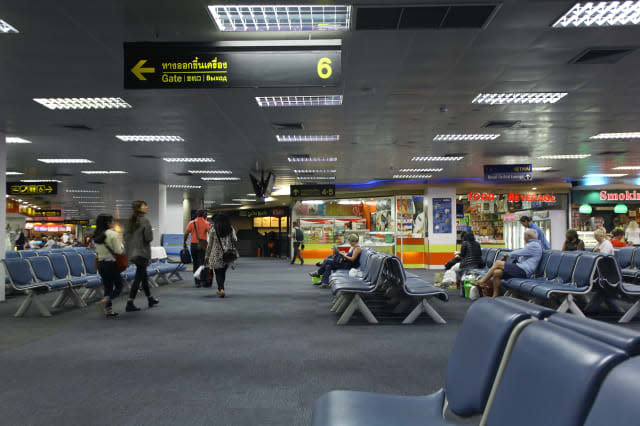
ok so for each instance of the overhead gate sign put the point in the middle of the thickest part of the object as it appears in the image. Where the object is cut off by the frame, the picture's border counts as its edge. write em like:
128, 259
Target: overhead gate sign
207, 66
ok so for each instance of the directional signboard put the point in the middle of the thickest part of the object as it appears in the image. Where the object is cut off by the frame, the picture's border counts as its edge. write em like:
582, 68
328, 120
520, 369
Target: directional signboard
508, 172
312, 191
208, 66
34, 188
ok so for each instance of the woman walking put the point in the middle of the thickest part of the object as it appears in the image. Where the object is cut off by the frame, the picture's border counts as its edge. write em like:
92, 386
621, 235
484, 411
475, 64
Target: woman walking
137, 242
221, 249
107, 246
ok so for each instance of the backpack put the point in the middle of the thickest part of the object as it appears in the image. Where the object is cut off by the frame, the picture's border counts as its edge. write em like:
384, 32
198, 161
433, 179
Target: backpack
299, 235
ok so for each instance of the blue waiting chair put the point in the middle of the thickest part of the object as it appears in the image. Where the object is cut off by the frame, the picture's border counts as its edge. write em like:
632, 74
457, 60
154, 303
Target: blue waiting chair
10, 254
27, 253
94, 281
21, 279
43, 271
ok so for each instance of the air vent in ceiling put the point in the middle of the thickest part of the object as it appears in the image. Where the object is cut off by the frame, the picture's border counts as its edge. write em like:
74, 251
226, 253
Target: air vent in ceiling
601, 56
144, 156
76, 127
423, 17
63, 174
183, 174
500, 124
287, 126
95, 182
613, 153
456, 154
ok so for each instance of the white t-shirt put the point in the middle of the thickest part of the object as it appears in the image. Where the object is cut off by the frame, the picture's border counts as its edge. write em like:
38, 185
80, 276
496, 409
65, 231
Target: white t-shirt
605, 247
632, 237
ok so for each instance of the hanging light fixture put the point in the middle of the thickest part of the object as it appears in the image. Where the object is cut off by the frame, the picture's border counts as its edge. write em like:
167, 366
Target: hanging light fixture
620, 209
585, 209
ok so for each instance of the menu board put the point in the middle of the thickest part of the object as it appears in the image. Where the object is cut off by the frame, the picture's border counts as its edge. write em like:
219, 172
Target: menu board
442, 215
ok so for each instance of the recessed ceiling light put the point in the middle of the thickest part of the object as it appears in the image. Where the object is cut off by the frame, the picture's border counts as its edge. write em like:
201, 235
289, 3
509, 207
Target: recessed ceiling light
14, 139
149, 138
210, 172
419, 170
541, 169
184, 186
82, 103
623, 135
313, 202
601, 14
349, 202
412, 176
601, 175
466, 137
189, 160
307, 138
627, 168
313, 171
231, 204
39, 180
103, 172
6, 28
244, 200
298, 101
220, 178
13, 173
564, 156
534, 188
452, 158
281, 17
81, 190
64, 160
518, 98
312, 159
316, 177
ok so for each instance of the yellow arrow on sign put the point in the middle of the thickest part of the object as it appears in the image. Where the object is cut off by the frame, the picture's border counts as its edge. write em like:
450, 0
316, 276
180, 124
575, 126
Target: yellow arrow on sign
138, 70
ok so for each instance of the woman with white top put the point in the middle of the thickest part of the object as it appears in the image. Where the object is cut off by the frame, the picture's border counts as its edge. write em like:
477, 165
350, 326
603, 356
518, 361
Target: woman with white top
604, 246
632, 233
108, 245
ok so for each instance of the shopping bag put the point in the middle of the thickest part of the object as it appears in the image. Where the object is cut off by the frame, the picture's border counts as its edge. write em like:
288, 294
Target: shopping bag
198, 272
449, 276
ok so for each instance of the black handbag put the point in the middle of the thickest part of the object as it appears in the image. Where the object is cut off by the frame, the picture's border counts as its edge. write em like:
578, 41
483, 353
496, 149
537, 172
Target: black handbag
185, 256
228, 256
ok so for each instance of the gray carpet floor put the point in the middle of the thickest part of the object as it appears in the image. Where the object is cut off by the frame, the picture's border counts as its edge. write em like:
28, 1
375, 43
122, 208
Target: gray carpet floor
260, 356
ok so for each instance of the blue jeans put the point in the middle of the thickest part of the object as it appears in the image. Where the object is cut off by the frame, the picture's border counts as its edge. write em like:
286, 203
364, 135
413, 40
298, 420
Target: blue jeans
329, 265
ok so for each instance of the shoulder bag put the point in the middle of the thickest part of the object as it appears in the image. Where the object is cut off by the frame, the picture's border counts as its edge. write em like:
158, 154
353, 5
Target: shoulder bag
202, 244
228, 256
121, 259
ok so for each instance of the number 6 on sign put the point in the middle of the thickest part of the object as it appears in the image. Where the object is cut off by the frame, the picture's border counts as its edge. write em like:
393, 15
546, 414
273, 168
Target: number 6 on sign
324, 68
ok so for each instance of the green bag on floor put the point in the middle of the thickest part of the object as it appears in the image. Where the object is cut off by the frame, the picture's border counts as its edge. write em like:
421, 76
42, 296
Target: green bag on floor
316, 280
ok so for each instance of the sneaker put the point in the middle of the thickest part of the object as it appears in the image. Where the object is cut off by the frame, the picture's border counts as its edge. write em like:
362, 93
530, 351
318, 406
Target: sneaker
153, 301
131, 307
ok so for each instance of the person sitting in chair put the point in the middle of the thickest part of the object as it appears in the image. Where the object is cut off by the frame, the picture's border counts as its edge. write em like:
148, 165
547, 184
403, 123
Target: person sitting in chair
528, 259
340, 260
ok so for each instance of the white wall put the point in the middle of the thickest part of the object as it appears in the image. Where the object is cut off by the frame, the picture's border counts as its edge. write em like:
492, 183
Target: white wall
3, 209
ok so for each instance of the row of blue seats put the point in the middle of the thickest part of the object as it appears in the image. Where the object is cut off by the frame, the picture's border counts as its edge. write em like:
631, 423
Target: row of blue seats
382, 274
24, 254
514, 363
67, 272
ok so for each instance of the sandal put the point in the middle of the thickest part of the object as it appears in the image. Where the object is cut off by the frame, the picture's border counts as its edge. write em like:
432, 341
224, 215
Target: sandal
111, 314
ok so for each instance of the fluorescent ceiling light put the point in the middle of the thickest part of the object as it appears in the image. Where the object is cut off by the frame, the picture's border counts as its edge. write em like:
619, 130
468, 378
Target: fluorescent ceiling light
312, 159
281, 18
14, 139
245, 200
313, 202
298, 101
251, 195
83, 103
412, 176
466, 137
231, 204
316, 177
280, 43
623, 135
627, 168
601, 14
518, 98
437, 158
601, 175
13, 173
564, 156
81, 190
313, 171
39, 180
210, 172
85, 198
103, 172
307, 138
269, 199
189, 160
64, 160
185, 186
541, 169
6, 28
149, 138
225, 178
419, 170
91, 202
349, 202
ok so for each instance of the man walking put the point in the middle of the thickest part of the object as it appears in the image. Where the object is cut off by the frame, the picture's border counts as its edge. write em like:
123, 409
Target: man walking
199, 230
297, 236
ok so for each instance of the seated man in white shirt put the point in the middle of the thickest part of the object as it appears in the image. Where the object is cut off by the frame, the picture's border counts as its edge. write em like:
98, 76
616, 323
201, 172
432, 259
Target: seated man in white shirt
604, 246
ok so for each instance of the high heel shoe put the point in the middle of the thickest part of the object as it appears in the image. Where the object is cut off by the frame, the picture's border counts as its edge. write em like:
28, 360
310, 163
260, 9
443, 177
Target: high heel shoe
153, 301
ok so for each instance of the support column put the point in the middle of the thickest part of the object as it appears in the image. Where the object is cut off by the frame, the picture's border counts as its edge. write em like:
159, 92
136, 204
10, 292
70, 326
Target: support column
173, 215
442, 246
3, 209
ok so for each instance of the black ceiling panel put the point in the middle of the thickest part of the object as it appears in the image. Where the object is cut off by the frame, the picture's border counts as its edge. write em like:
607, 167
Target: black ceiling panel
287, 126
378, 18
467, 16
500, 124
601, 56
422, 17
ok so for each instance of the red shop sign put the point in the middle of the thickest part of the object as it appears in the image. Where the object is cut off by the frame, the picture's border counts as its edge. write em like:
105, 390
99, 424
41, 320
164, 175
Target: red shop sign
512, 197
